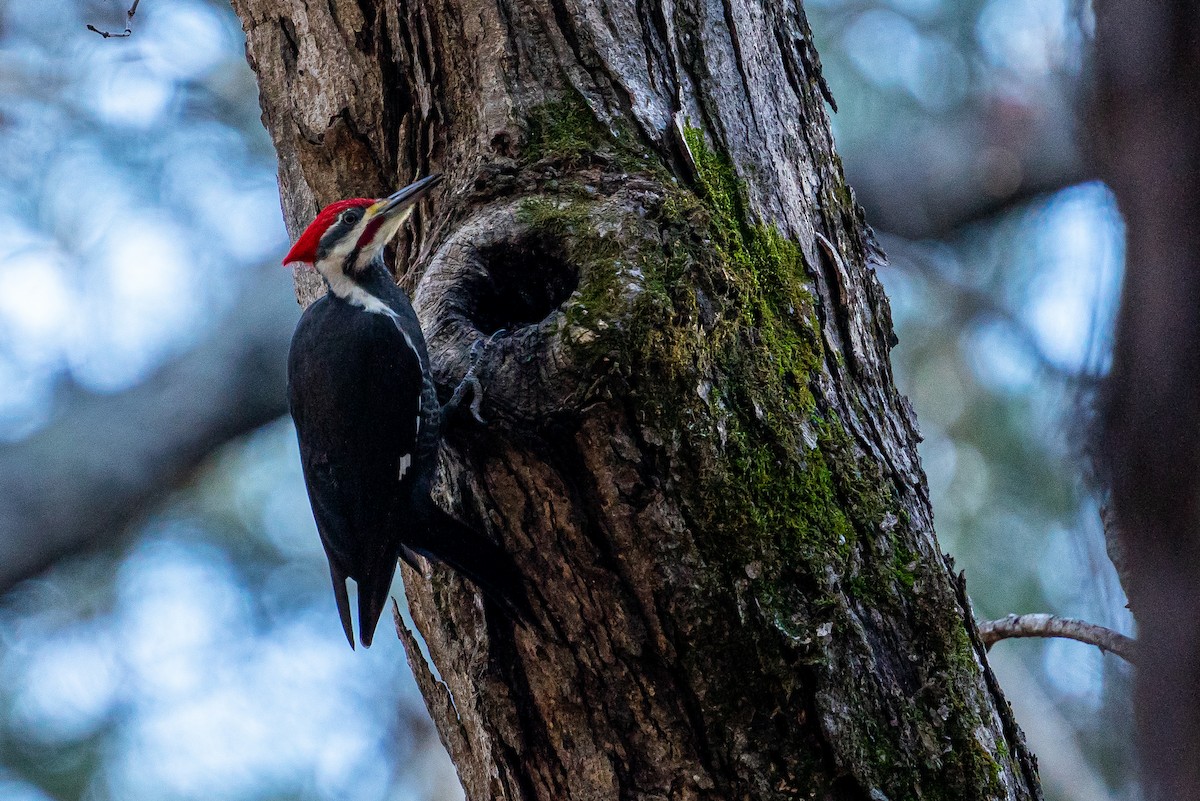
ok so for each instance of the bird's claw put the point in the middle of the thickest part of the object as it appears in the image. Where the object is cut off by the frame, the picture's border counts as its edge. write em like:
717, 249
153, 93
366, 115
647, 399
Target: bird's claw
470, 380
476, 401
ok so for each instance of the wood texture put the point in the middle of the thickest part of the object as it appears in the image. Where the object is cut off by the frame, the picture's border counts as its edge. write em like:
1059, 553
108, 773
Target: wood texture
697, 452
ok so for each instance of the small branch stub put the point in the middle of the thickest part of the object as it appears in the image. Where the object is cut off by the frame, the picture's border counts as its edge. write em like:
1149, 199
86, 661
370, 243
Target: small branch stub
1043, 625
128, 24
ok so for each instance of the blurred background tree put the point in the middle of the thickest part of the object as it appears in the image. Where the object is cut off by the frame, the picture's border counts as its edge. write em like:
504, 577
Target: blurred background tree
197, 655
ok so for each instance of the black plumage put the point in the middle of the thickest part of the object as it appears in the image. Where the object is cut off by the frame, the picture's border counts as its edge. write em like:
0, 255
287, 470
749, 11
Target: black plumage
369, 423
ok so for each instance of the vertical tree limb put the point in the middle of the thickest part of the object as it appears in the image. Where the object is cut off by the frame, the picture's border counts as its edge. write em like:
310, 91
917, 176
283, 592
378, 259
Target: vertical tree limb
1146, 143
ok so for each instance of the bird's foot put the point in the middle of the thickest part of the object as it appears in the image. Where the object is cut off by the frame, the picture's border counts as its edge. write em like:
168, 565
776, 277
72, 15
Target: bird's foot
471, 381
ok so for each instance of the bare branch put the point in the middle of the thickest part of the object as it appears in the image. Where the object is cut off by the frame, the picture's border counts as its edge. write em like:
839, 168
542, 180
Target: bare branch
971, 167
128, 25
1043, 625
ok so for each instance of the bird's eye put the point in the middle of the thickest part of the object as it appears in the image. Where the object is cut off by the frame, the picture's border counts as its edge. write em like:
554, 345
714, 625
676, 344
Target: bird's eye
351, 216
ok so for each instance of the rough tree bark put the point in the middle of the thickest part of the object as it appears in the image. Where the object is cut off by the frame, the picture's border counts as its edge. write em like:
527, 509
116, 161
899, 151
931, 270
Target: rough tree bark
696, 450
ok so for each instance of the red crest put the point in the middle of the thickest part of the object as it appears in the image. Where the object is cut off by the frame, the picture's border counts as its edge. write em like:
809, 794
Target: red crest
305, 249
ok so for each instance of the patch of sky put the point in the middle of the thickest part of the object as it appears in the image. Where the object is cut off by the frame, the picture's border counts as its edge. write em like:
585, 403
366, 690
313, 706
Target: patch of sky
1029, 38
25, 398
237, 211
13, 789
35, 305
68, 685
269, 492
918, 9
144, 301
891, 52
232, 706
126, 94
1071, 300
1000, 359
184, 40
133, 225
1075, 670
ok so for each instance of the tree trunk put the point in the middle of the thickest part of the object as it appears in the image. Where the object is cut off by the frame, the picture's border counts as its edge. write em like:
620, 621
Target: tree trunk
696, 451
1145, 119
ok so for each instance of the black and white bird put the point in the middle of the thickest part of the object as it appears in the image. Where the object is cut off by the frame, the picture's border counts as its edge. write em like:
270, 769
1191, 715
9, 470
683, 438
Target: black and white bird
369, 420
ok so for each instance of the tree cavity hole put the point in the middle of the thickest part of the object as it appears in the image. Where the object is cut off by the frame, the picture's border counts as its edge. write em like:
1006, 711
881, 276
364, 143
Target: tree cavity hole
524, 281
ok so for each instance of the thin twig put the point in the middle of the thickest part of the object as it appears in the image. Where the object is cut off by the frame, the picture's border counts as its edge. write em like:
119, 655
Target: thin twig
1041, 625
128, 24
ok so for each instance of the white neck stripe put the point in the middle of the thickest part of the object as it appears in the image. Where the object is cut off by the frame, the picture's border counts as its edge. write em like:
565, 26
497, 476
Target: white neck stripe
344, 287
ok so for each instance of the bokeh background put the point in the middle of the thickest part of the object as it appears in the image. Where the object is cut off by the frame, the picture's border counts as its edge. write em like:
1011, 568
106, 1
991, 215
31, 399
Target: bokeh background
199, 655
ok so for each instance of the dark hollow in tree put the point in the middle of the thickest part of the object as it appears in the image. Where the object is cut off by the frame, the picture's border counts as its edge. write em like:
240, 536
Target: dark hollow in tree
697, 451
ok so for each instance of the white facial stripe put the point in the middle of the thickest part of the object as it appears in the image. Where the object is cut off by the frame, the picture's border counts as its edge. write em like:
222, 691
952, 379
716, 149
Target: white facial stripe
345, 288
333, 268
333, 265
384, 235
335, 259
405, 463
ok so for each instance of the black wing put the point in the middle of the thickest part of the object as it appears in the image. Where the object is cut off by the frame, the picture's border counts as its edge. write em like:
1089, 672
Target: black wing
354, 388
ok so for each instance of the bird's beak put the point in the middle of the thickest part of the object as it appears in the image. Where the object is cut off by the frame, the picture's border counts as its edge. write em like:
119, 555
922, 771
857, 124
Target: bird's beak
404, 198
384, 217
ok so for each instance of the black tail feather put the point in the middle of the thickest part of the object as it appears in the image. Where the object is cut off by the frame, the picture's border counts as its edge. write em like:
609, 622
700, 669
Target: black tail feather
483, 562
373, 591
342, 597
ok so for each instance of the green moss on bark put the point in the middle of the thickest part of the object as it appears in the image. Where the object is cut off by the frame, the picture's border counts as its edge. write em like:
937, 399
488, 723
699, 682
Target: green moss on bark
706, 320
565, 129
568, 132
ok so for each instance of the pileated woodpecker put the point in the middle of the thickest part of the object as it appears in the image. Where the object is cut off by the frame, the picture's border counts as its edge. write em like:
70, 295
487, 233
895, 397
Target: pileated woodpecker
369, 421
